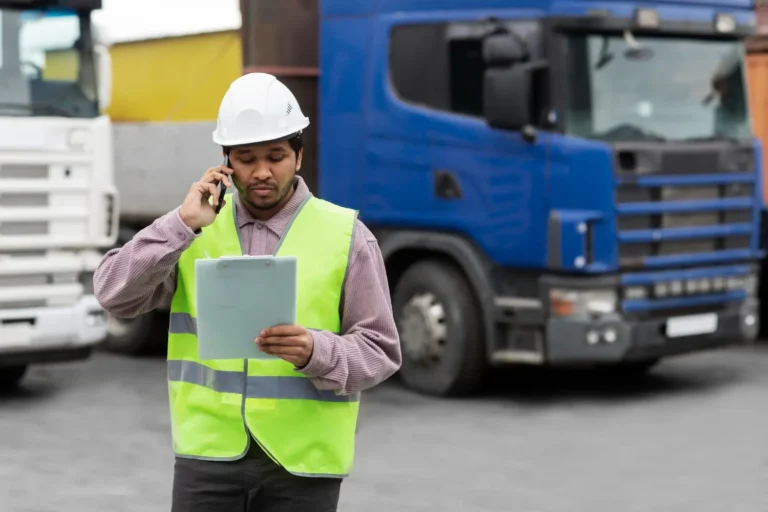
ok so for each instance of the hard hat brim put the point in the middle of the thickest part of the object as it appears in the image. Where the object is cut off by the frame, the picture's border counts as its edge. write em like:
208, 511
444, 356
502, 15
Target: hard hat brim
269, 138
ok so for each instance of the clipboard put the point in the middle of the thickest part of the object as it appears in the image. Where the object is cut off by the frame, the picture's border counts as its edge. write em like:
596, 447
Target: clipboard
238, 297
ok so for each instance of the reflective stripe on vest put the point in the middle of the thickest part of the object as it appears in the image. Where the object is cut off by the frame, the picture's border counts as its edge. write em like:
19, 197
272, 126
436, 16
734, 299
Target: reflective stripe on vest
215, 403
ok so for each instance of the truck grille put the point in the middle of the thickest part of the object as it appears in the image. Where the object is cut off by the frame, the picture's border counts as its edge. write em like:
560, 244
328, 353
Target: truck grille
46, 206
685, 228
28, 200
43, 212
31, 279
631, 254
678, 203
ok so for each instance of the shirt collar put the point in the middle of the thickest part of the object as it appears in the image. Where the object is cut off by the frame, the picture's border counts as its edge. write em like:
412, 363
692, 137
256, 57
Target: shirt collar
280, 220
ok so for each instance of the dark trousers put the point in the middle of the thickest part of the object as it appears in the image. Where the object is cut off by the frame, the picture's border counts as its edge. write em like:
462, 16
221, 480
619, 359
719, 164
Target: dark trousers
252, 484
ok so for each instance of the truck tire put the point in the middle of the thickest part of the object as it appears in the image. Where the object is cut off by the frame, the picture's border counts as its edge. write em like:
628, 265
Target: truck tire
441, 330
10, 376
144, 335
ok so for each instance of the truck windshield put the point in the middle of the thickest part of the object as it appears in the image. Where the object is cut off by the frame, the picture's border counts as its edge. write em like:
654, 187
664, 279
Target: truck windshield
655, 88
46, 64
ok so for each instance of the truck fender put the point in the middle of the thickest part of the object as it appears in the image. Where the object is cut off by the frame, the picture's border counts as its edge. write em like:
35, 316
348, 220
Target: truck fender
402, 248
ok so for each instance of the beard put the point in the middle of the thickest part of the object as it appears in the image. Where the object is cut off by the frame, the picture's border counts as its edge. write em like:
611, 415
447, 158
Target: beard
276, 196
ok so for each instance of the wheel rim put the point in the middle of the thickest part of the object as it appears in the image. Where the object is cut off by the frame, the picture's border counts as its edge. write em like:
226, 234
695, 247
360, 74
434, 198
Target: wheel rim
423, 329
118, 327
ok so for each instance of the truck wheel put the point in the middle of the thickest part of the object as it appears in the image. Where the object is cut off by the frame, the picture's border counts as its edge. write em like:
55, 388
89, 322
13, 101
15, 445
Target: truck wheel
10, 376
145, 334
441, 332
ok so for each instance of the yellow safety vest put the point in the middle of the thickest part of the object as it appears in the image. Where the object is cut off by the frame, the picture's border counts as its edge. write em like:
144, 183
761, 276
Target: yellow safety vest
216, 403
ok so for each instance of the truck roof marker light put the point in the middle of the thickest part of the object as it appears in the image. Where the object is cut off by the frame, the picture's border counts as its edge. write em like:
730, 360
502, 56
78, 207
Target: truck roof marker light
647, 18
725, 23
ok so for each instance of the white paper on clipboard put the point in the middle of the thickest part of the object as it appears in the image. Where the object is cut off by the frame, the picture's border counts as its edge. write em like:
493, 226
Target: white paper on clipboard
237, 298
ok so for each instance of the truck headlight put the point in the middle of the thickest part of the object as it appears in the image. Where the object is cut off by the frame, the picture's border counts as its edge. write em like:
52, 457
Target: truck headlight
569, 302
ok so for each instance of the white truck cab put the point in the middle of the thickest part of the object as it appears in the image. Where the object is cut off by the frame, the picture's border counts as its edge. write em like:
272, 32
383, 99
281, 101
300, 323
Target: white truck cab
58, 203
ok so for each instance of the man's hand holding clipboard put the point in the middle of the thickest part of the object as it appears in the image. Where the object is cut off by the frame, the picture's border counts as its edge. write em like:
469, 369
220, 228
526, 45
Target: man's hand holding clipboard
292, 343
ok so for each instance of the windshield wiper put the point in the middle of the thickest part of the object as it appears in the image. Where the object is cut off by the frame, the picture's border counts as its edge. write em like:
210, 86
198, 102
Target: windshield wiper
37, 108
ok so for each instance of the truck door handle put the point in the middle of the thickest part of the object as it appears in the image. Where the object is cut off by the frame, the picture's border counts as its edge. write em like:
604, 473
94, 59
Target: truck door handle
446, 184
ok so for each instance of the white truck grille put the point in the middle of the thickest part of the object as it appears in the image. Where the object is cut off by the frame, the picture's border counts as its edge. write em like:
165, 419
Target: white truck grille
44, 206
45, 278
57, 202
38, 220
25, 282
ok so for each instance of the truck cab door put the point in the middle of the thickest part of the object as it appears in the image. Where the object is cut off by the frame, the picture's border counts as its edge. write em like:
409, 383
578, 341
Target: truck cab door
450, 144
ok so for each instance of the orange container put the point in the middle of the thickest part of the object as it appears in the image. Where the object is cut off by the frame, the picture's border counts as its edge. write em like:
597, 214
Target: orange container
757, 75
757, 79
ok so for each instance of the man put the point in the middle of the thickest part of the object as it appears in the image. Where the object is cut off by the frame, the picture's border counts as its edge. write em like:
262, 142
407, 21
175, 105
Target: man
267, 434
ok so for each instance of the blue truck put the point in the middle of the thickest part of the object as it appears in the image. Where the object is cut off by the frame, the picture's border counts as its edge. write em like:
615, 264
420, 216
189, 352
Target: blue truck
560, 183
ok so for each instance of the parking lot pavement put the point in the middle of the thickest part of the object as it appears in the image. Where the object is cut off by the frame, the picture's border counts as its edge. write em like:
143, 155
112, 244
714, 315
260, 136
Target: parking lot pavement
94, 436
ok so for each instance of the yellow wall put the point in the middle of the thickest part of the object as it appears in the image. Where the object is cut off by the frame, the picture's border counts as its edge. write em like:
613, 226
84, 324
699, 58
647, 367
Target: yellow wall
61, 65
174, 79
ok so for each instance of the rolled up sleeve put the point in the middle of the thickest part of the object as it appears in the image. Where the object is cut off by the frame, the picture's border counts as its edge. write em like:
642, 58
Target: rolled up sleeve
141, 275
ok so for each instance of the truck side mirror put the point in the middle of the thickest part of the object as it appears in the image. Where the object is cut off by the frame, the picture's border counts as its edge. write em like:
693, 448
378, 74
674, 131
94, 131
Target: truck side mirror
504, 50
103, 61
509, 88
510, 98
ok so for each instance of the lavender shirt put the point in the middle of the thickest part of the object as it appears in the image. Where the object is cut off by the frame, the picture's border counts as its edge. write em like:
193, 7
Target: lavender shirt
141, 276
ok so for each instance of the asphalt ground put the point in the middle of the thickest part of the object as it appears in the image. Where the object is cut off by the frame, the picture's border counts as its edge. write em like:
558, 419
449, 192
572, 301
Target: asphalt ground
692, 436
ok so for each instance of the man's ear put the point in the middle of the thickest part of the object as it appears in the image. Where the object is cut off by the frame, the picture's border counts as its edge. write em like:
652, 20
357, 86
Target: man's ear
298, 159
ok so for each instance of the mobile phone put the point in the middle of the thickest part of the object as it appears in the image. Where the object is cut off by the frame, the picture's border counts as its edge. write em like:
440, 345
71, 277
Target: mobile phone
221, 188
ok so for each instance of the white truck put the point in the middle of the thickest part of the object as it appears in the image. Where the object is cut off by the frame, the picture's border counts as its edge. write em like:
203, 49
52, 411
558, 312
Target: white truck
156, 157
58, 202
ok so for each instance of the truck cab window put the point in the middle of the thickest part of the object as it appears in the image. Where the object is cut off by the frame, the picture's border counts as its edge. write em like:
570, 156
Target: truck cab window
418, 64
676, 89
441, 66
47, 64
466, 76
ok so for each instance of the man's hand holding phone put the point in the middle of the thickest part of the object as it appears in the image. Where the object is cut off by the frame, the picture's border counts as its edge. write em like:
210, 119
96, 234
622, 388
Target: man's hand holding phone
198, 211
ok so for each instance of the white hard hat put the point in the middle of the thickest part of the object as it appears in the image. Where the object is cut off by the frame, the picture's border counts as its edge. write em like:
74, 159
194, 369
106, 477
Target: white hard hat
257, 108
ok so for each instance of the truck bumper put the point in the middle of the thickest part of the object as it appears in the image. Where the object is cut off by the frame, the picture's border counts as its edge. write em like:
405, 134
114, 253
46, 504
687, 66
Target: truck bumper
572, 341
51, 334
